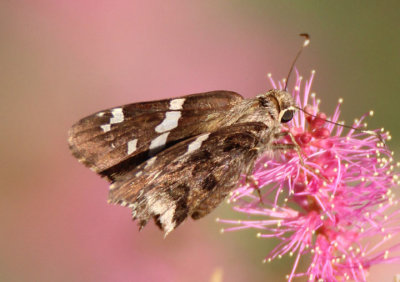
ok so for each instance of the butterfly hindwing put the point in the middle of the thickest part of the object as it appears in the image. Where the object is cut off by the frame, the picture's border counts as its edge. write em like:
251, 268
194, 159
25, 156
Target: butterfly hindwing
192, 177
114, 141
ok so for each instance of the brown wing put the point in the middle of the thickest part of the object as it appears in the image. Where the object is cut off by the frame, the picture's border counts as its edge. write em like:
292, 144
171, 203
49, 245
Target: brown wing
190, 178
116, 140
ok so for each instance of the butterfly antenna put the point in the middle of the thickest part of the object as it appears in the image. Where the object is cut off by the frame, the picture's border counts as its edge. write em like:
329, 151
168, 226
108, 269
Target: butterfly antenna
305, 43
370, 132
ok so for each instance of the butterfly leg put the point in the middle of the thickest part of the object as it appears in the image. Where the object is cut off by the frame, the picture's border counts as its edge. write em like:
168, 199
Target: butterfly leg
252, 182
295, 146
250, 178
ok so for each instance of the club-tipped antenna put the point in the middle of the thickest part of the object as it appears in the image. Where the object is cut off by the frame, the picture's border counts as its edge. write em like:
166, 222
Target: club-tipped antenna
370, 132
305, 43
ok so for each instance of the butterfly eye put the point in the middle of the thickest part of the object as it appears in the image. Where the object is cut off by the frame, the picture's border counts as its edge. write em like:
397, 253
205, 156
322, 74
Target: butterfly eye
287, 116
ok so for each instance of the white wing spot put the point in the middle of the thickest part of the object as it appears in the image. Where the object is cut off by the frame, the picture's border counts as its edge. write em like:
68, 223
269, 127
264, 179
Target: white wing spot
163, 206
150, 162
132, 146
123, 203
166, 220
196, 144
170, 122
176, 104
118, 116
160, 141
106, 127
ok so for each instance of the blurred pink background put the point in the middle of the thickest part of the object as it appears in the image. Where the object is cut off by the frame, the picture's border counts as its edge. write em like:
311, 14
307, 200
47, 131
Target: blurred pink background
62, 60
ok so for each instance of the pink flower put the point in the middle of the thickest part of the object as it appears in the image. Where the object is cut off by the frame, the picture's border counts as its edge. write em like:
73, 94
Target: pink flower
337, 208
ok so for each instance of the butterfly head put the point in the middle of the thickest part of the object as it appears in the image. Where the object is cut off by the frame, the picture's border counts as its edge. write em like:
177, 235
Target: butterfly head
280, 104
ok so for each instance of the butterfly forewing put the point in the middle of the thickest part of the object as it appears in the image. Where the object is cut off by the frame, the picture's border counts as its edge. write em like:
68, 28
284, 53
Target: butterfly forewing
113, 141
190, 178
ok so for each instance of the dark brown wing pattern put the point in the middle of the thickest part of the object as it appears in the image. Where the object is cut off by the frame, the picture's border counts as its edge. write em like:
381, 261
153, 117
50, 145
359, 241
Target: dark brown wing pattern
116, 140
192, 177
